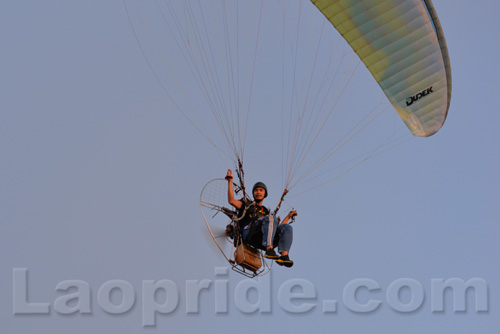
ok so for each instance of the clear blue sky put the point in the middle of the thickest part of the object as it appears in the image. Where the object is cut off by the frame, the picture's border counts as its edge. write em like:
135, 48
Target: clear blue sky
100, 180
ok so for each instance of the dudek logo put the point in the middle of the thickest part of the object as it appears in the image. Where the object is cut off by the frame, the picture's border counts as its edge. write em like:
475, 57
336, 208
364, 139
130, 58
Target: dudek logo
414, 98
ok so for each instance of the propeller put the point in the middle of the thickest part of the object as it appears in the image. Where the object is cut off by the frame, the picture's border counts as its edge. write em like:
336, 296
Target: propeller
219, 234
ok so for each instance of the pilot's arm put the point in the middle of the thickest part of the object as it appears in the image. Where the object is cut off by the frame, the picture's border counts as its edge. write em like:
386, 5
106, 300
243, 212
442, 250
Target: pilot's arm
230, 192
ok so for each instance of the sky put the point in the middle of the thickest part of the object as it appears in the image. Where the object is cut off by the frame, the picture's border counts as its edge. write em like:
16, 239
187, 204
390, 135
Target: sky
101, 176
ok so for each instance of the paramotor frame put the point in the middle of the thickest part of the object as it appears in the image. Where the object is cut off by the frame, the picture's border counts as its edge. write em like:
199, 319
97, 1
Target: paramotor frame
243, 258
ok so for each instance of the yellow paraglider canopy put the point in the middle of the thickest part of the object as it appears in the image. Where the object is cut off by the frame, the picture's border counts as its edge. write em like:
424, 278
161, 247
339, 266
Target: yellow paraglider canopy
402, 44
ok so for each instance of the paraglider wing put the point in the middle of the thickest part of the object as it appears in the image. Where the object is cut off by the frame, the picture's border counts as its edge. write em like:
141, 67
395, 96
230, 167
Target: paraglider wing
402, 44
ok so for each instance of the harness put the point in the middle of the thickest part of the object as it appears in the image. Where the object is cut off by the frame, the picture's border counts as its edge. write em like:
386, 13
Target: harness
250, 221
252, 213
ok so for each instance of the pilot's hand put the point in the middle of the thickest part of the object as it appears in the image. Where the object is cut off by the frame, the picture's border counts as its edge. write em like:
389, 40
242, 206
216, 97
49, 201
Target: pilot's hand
229, 175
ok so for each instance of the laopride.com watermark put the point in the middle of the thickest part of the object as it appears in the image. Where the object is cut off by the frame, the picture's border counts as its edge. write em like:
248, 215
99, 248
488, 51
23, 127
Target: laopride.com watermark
163, 297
